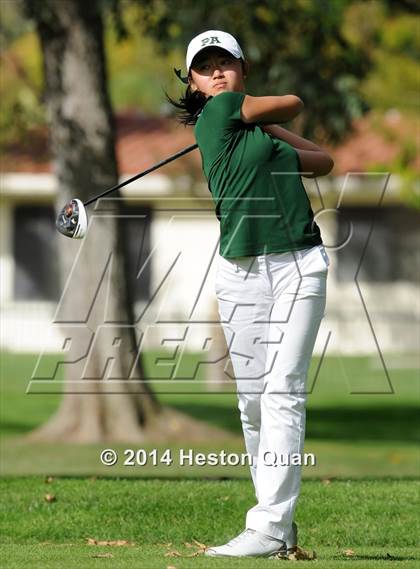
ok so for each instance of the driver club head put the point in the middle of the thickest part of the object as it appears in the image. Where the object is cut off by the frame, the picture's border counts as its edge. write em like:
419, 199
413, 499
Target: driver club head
72, 220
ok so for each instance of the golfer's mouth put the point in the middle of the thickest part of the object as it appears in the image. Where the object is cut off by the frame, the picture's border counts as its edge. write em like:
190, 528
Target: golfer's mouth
220, 85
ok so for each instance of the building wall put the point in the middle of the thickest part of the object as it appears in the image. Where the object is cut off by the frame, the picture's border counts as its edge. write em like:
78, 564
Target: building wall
378, 312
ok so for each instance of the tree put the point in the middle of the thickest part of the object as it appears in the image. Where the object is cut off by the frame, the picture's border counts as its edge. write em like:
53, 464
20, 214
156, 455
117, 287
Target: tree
294, 47
342, 57
82, 137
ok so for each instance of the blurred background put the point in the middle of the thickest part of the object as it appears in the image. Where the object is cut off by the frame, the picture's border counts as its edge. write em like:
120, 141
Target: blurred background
356, 68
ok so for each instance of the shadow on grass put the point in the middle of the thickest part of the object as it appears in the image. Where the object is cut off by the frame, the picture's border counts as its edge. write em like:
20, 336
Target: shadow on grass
330, 424
356, 424
14, 428
386, 557
246, 477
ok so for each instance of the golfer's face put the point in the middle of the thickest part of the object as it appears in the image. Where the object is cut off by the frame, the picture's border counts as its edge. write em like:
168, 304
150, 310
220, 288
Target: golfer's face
215, 70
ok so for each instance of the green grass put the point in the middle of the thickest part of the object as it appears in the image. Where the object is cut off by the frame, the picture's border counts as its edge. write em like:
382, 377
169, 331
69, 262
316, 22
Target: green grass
362, 495
373, 518
76, 557
352, 435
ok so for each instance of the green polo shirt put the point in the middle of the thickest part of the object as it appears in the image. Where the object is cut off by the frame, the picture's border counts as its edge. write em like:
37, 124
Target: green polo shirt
254, 179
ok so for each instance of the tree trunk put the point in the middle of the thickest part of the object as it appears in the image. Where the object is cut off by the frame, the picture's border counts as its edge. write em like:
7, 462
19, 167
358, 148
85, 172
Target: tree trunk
94, 409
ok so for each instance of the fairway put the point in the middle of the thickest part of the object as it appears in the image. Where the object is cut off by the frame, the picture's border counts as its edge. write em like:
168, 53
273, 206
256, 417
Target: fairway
374, 519
352, 435
358, 505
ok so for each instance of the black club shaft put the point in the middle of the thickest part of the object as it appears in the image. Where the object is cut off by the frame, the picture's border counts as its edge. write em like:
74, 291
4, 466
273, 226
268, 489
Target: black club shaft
141, 174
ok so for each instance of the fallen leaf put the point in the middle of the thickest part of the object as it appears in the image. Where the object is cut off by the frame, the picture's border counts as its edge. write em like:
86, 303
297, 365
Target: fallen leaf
102, 555
200, 545
173, 553
300, 554
326, 481
280, 556
349, 553
48, 479
170, 567
200, 548
50, 498
113, 543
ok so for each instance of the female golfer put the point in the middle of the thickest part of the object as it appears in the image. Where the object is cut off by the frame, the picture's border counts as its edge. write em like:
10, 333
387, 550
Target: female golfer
271, 277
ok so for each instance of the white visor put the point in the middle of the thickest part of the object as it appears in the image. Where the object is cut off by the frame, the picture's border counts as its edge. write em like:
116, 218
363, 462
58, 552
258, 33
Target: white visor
212, 38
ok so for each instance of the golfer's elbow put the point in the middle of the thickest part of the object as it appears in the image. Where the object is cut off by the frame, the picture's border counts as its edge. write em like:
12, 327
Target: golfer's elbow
297, 105
288, 108
326, 164
314, 163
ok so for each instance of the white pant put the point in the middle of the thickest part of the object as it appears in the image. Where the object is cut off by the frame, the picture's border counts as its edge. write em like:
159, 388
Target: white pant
270, 307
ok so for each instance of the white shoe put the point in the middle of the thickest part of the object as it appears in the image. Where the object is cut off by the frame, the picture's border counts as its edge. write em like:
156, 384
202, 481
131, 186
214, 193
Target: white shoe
249, 543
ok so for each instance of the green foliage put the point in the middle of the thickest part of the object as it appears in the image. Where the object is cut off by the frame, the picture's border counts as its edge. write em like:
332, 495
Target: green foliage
341, 56
21, 87
138, 76
13, 23
296, 47
394, 81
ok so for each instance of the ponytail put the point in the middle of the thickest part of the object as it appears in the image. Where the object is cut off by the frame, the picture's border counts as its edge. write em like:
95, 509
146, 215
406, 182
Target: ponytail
190, 105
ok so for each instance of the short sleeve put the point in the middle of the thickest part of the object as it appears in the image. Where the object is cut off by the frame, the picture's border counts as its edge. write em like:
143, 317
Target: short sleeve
224, 111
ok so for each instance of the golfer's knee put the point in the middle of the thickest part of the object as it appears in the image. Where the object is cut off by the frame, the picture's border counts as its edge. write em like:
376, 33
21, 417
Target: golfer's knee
250, 409
289, 403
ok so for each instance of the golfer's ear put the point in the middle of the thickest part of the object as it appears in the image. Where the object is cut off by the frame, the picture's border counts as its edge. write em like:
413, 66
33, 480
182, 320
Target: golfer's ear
191, 83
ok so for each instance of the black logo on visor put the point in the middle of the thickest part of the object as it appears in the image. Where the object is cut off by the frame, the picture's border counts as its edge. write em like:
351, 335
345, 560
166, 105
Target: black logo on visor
210, 41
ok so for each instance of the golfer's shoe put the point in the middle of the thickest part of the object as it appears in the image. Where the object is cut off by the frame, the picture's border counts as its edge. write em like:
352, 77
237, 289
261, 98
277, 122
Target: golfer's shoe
292, 540
250, 543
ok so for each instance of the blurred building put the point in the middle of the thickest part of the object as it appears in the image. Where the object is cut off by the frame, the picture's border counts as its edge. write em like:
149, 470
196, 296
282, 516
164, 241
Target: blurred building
371, 238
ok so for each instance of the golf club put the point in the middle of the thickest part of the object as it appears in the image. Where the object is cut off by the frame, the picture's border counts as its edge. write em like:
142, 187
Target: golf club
72, 220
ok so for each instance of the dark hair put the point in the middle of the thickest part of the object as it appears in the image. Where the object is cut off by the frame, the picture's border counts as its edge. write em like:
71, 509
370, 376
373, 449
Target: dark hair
190, 105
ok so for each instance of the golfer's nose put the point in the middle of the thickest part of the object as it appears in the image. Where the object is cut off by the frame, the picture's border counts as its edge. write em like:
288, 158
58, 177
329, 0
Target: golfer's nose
217, 70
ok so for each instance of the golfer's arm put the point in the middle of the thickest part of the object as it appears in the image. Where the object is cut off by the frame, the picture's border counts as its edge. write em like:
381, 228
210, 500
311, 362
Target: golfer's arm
270, 109
314, 163
313, 160
293, 139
